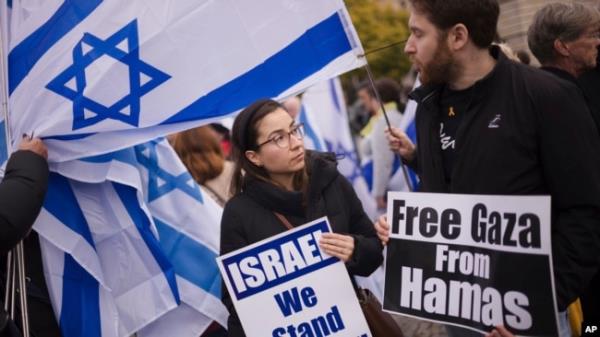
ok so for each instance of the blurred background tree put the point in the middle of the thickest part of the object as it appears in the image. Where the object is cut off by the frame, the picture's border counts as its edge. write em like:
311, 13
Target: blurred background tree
378, 23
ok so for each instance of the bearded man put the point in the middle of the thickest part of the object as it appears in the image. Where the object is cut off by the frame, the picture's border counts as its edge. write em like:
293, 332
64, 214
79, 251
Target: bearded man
488, 125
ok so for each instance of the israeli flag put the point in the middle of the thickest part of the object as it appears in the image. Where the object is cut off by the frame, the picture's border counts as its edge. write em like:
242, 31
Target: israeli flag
408, 125
327, 129
94, 76
326, 124
131, 246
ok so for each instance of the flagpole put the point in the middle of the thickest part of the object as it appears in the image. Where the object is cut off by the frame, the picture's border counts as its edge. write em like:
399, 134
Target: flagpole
387, 121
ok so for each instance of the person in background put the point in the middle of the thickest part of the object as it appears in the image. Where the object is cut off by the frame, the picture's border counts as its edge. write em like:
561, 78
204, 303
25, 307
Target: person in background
374, 144
224, 139
565, 38
22, 194
276, 181
200, 151
589, 82
488, 125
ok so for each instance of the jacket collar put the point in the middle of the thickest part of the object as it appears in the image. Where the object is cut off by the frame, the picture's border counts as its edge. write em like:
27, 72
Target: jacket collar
560, 73
322, 170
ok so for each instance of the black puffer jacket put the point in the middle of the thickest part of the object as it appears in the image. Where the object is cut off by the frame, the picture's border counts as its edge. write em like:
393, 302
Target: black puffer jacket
248, 218
21, 197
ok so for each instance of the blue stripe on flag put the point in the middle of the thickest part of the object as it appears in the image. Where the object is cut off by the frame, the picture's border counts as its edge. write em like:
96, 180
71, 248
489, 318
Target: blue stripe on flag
312, 51
25, 55
66, 208
128, 196
80, 312
411, 132
309, 130
334, 96
192, 260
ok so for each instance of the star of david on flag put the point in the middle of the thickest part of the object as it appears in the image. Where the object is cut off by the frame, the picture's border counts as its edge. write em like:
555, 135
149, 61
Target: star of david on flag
161, 182
92, 77
324, 107
87, 111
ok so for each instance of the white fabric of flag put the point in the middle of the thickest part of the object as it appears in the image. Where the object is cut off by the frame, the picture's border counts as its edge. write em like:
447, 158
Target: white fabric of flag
131, 246
95, 76
4, 29
326, 127
407, 124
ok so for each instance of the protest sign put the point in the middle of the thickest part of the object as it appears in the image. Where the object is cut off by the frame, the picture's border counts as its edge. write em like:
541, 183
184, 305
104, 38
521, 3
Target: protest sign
474, 261
286, 286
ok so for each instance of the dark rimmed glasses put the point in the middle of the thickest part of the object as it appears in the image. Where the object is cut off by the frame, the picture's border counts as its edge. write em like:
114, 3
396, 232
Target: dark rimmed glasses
283, 139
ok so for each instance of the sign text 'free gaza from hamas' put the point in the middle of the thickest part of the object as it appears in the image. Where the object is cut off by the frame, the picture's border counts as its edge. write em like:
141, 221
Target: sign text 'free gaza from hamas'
471, 260
285, 286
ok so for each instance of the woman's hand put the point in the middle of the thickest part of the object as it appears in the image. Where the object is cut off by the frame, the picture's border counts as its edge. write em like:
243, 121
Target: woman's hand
500, 331
383, 229
338, 245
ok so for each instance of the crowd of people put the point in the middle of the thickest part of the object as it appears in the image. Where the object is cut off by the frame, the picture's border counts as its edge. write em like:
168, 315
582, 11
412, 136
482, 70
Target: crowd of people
486, 123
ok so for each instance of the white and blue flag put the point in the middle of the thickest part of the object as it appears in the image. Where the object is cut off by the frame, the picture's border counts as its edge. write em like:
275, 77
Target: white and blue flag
94, 76
133, 248
408, 125
128, 238
326, 129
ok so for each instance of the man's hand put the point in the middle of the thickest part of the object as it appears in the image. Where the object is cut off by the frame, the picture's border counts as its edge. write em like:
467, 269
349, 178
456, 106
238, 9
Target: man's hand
34, 145
383, 229
400, 143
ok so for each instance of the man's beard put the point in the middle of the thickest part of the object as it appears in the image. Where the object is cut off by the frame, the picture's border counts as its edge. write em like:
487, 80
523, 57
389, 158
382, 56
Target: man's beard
440, 69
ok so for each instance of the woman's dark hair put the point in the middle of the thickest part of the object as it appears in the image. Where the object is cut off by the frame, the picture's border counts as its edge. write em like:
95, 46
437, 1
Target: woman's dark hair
244, 135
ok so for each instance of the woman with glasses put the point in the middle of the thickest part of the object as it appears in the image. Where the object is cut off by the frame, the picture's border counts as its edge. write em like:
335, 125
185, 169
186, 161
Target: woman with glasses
276, 180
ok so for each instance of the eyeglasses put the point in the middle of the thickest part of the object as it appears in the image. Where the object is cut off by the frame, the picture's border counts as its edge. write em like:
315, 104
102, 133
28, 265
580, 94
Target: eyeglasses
283, 139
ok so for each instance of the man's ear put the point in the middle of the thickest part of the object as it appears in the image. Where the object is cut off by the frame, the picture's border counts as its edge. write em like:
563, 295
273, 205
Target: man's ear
458, 36
253, 157
561, 48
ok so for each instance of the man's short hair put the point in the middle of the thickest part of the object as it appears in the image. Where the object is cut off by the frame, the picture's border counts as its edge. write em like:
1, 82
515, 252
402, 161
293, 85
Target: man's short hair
563, 21
479, 16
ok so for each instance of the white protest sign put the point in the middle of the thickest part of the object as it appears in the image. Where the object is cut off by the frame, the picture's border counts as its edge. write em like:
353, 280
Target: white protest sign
285, 286
474, 261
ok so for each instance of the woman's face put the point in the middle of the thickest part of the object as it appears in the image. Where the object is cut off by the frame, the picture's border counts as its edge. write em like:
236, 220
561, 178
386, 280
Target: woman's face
281, 148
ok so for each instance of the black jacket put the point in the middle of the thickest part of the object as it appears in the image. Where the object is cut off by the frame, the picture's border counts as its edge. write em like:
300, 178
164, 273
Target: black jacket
21, 197
546, 144
590, 98
248, 217
589, 82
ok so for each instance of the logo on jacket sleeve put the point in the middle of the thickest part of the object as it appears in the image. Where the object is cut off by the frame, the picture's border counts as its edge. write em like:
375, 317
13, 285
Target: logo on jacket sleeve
495, 122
